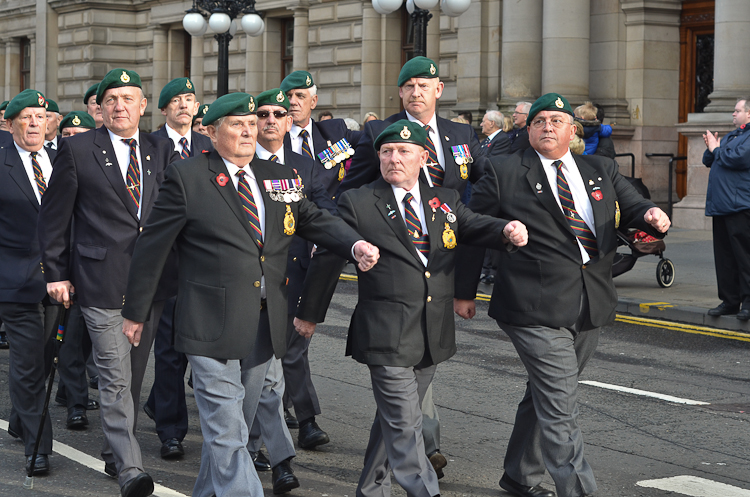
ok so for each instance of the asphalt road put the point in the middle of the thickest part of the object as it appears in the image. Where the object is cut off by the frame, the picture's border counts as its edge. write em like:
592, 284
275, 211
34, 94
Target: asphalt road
634, 442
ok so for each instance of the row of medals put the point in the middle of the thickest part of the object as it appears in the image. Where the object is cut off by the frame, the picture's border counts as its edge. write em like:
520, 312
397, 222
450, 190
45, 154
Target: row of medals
339, 158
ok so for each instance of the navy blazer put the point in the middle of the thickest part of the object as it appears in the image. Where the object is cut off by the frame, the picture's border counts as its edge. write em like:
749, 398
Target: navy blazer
499, 145
6, 139
198, 143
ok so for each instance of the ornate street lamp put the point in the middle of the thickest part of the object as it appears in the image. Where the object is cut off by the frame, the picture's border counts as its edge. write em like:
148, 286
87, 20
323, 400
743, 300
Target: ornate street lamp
221, 15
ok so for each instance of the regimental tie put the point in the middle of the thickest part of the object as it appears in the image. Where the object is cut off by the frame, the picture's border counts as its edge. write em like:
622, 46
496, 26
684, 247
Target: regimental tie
306, 150
579, 226
133, 178
274, 158
414, 226
41, 185
185, 148
433, 166
248, 204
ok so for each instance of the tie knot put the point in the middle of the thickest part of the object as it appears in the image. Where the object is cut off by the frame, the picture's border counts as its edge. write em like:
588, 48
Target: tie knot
558, 164
130, 141
183, 141
427, 129
303, 133
408, 197
33, 155
241, 174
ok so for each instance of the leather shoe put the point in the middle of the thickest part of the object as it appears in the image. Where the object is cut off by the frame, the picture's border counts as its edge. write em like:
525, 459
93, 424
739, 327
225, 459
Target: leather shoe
77, 419
515, 488
92, 405
438, 462
149, 412
723, 309
291, 421
4, 341
94, 382
744, 314
172, 449
110, 469
283, 478
310, 436
260, 461
41, 467
140, 486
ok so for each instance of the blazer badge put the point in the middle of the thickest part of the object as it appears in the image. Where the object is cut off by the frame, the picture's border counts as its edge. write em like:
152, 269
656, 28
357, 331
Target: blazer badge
597, 195
449, 237
288, 221
617, 214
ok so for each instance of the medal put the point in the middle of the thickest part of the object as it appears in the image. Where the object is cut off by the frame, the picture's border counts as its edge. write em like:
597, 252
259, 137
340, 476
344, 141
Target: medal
464, 170
617, 214
451, 217
284, 190
288, 221
342, 172
449, 237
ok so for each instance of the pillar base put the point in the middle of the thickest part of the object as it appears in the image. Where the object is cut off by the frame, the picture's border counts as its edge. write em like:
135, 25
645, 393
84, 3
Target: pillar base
689, 213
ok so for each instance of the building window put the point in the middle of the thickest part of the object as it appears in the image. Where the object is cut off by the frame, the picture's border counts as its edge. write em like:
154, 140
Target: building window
25, 63
287, 46
407, 37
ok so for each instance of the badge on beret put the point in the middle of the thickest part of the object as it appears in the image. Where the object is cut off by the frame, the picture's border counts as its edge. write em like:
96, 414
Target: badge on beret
405, 133
188, 85
559, 103
308, 81
40, 99
124, 77
205, 109
449, 237
288, 221
432, 69
280, 96
617, 214
76, 121
251, 105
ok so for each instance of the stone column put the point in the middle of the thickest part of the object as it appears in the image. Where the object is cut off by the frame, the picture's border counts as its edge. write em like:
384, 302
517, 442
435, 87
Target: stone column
12, 68
196, 66
607, 71
372, 74
565, 49
521, 66
32, 48
160, 73
255, 62
301, 24
2, 70
731, 46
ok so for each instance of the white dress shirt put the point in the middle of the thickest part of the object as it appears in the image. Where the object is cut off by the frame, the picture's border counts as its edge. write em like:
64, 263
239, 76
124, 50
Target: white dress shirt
435, 137
51, 143
175, 137
297, 139
493, 135
400, 193
122, 154
44, 164
264, 154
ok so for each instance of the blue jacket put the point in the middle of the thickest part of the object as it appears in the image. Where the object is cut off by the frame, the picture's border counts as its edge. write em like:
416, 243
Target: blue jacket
729, 180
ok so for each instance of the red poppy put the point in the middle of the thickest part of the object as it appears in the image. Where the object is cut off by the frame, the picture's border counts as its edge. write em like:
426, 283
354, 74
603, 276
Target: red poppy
434, 203
204, 151
597, 195
222, 179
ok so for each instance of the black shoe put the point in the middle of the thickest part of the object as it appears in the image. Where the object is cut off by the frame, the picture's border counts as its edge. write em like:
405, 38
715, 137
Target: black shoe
94, 382
744, 314
515, 488
310, 436
92, 405
110, 470
4, 341
438, 462
149, 412
172, 449
77, 419
260, 461
291, 421
13, 433
283, 478
723, 309
41, 467
140, 486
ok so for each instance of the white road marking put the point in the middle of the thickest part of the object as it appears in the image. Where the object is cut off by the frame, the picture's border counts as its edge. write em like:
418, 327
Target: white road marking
695, 487
645, 393
95, 464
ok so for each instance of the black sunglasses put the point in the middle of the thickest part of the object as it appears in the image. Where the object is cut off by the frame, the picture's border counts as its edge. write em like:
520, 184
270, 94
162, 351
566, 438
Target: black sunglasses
278, 114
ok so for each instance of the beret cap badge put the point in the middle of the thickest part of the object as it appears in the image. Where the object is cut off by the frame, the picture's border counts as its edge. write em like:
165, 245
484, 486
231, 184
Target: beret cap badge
124, 77
405, 133
308, 81
251, 105
76, 121
280, 96
432, 69
188, 85
40, 99
559, 103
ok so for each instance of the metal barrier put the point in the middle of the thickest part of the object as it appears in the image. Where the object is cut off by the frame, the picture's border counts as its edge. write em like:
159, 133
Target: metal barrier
672, 160
632, 162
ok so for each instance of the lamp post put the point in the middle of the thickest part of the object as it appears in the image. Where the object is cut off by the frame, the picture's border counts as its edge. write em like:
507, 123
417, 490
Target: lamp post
221, 15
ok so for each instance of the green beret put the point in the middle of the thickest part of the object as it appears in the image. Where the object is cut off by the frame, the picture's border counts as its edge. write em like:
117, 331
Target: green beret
91, 91
418, 67
173, 88
272, 97
550, 101
52, 106
402, 131
298, 79
77, 119
201, 112
4, 105
27, 98
117, 78
231, 104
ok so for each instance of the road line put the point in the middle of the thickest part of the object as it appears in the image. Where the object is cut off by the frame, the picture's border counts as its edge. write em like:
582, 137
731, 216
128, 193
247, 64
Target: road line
695, 487
96, 464
645, 393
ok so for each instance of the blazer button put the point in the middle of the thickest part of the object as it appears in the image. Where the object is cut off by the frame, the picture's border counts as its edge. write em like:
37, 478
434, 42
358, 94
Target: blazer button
140, 229
583, 267
256, 284
426, 274
294, 259
262, 258
429, 298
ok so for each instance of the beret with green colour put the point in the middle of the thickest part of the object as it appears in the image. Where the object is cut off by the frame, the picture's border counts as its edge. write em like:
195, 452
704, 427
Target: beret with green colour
52, 106
298, 79
418, 67
550, 101
27, 98
231, 104
402, 131
201, 112
272, 97
4, 105
77, 119
91, 91
117, 78
173, 88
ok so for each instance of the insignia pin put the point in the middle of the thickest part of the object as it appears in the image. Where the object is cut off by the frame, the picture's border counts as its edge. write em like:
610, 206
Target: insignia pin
591, 182
599, 178
148, 171
148, 157
538, 186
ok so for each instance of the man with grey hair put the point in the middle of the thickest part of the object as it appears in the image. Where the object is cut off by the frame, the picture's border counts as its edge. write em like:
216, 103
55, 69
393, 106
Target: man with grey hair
519, 135
497, 142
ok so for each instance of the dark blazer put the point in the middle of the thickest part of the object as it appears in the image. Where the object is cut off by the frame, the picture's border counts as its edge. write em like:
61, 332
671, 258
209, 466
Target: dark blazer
198, 142
220, 263
87, 187
521, 141
365, 167
21, 278
400, 300
542, 283
6, 139
499, 145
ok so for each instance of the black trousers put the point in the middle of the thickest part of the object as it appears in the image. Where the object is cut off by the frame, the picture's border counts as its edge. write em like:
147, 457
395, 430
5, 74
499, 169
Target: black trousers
72, 360
732, 257
299, 388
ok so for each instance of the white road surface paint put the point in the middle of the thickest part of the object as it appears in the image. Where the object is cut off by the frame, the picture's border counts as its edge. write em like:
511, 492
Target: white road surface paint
695, 487
645, 393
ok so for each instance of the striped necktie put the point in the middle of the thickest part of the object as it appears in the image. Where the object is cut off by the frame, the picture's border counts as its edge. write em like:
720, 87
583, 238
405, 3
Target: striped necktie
274, 158
185, 153
134, 174
306, 150
41, 185
414, 226
579, 226
248, 204
433, 166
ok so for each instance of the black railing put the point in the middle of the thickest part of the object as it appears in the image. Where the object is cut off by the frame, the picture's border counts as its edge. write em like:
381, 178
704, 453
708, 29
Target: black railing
632, 162
672, 160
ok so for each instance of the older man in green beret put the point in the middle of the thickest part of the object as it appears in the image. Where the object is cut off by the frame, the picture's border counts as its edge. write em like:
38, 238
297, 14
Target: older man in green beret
198, 120
53, 122
76, 122
3, 124
232, 217
92, 108
552, 297
178, 104
419, 228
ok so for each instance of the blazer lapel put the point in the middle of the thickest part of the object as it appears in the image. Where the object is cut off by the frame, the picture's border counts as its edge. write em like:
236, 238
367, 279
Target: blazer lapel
319, 142
149, 187
598, 207
539, 184
387, 206
104, 155
18, 173
228, 192
447, 140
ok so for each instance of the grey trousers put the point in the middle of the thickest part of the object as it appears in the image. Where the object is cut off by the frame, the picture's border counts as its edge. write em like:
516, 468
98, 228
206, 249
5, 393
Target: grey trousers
430, 423
546, 432
396, 435
121, 369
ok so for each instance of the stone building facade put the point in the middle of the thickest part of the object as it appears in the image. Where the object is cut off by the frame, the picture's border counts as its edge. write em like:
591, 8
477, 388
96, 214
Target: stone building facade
641, 59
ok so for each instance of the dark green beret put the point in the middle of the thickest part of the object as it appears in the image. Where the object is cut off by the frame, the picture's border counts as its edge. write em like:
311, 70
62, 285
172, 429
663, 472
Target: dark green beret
91, 91
52, 106
77, 119
231, 104
418, 67
4, 105
272, 97
201, 112
402, 131
117, 78
550, 101
173, 88
298, 79
27, 98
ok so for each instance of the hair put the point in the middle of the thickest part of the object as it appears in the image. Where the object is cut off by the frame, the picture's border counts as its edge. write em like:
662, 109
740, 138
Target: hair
351, 124
467, 115
324, 113
313, 90
587, 111
507, 123
747, 102
577, 145
526, 106
459, 119
369, 114
496, 117
599, 113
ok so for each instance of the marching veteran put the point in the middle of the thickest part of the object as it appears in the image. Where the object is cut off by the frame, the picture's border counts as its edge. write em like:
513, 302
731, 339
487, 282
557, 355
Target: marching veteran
403, 324
232, 218
76, 122
552, 296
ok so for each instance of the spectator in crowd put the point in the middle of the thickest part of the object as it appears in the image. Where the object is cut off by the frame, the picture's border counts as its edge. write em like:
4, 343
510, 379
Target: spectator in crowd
496, 142
593, 129
468, 116
606, 146
351, 124
3, 124
519, 135
325, 115
93, 108
54, 118
369, 116
507, 124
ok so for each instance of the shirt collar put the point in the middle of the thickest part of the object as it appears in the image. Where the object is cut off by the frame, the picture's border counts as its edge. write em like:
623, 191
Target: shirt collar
400, 193
567, 160
264, 154
432, 122
493, 135
118, 138
175, 136
296, 130
232, 168
26, 153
